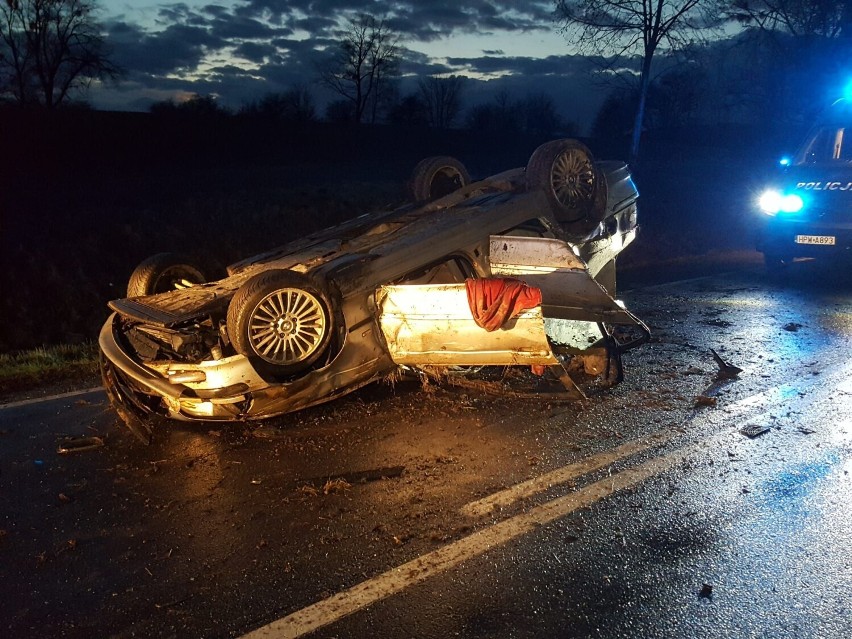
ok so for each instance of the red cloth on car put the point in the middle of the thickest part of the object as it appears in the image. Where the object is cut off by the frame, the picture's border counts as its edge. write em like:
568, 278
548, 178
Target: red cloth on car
496, 300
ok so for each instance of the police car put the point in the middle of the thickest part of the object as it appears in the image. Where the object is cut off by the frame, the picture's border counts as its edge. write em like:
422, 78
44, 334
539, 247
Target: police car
809, 208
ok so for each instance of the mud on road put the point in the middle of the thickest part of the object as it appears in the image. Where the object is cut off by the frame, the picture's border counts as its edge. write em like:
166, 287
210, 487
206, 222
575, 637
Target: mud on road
215, 530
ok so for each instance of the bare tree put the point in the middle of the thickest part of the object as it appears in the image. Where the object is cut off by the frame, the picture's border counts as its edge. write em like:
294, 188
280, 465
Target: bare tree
820, 34
196, 106
410, 110
442, 99
621, 29
677, 96
540, 116
294, 105
49, 48
822, 18
508, 112
367, 55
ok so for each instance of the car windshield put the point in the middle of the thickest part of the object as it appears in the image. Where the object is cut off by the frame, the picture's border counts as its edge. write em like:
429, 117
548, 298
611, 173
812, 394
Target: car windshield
830, 141
828, 144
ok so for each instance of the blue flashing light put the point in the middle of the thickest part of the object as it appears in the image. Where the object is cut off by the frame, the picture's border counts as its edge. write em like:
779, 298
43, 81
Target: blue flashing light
773, 203
785, 161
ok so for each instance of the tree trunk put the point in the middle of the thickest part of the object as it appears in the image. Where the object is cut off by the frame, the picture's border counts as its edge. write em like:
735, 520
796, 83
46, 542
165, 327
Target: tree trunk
638, 121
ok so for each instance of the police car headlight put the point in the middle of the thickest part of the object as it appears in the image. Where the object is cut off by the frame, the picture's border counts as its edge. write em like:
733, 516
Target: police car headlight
773, 203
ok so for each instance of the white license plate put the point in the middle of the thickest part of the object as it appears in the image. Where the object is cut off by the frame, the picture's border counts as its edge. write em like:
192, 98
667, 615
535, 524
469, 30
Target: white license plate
815, 239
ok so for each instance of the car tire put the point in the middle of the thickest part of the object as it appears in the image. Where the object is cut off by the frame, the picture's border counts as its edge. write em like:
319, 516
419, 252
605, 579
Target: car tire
164, 272
436, 177
282, 321
575, 189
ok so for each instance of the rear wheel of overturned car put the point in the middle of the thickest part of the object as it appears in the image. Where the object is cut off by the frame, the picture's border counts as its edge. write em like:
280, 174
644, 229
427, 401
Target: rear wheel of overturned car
164, 272
281, 321
436, 177
576, 191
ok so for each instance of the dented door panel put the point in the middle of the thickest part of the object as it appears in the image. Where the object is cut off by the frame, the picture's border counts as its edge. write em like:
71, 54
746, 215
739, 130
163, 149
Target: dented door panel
568, 290
433, 325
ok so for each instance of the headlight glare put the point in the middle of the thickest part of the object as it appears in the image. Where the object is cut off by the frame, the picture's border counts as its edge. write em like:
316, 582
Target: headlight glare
791, 203
770, 202
773, 202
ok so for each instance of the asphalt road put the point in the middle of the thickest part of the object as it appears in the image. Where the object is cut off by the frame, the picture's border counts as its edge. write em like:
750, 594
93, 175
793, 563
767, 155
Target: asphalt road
404, 511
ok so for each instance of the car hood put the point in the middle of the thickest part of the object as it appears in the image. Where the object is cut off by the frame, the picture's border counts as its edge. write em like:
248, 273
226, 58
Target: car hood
833, 181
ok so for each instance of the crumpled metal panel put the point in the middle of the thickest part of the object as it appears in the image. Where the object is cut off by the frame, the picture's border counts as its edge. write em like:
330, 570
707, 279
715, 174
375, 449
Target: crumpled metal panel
568, 290
432, 324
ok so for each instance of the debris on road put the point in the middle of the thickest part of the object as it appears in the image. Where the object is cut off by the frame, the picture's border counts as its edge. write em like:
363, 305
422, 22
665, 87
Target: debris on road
335, 486
718, 323
704, 400
307, 489
726, 369
706, 591
793, 327
79, 444
360, 476
267, 431
754, 430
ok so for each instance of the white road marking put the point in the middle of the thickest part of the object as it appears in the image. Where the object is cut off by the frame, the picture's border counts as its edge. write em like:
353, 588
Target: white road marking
397, 579
417, 570
565, 474
675, 284
606, 458
38, 400
773, 396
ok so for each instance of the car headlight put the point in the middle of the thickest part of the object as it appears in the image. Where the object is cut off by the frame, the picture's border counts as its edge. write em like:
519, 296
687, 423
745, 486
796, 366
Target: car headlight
773, 202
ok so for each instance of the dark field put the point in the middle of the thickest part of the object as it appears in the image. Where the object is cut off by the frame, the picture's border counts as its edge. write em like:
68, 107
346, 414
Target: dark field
86, 196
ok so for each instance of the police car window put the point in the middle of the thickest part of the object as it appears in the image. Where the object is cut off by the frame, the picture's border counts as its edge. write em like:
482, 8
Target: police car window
830, 144
842, 149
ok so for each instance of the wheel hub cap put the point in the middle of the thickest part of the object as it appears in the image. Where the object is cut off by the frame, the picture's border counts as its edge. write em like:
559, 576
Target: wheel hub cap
572, 178
287, 326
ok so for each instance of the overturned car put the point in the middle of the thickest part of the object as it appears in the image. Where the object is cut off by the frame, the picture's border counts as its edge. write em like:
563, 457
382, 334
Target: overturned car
514, 269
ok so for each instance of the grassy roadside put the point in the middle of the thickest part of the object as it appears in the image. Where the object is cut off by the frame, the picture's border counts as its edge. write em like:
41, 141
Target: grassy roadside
74, 365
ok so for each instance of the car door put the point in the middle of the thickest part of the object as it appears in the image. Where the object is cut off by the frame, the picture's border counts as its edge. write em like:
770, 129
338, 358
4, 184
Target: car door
432, 324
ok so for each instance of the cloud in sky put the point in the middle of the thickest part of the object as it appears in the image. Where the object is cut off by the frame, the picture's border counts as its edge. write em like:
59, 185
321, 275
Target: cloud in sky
239, 50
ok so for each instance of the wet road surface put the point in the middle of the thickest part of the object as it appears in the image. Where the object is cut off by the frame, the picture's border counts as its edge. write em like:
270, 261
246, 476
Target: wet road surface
430, 512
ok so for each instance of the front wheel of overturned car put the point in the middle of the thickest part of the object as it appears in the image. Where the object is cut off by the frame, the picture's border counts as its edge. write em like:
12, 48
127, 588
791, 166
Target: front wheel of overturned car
281, 321
164, 272
576, 191
436, 177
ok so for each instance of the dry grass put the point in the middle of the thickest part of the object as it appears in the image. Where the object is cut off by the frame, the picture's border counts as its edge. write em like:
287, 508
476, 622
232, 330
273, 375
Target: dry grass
335, 486
27, 369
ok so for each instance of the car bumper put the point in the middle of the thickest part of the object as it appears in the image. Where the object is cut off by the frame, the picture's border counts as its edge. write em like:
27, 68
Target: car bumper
793, 238
232, 390
222, 389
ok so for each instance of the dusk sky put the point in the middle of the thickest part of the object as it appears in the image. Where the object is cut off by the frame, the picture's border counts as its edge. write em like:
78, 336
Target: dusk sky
239, 50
